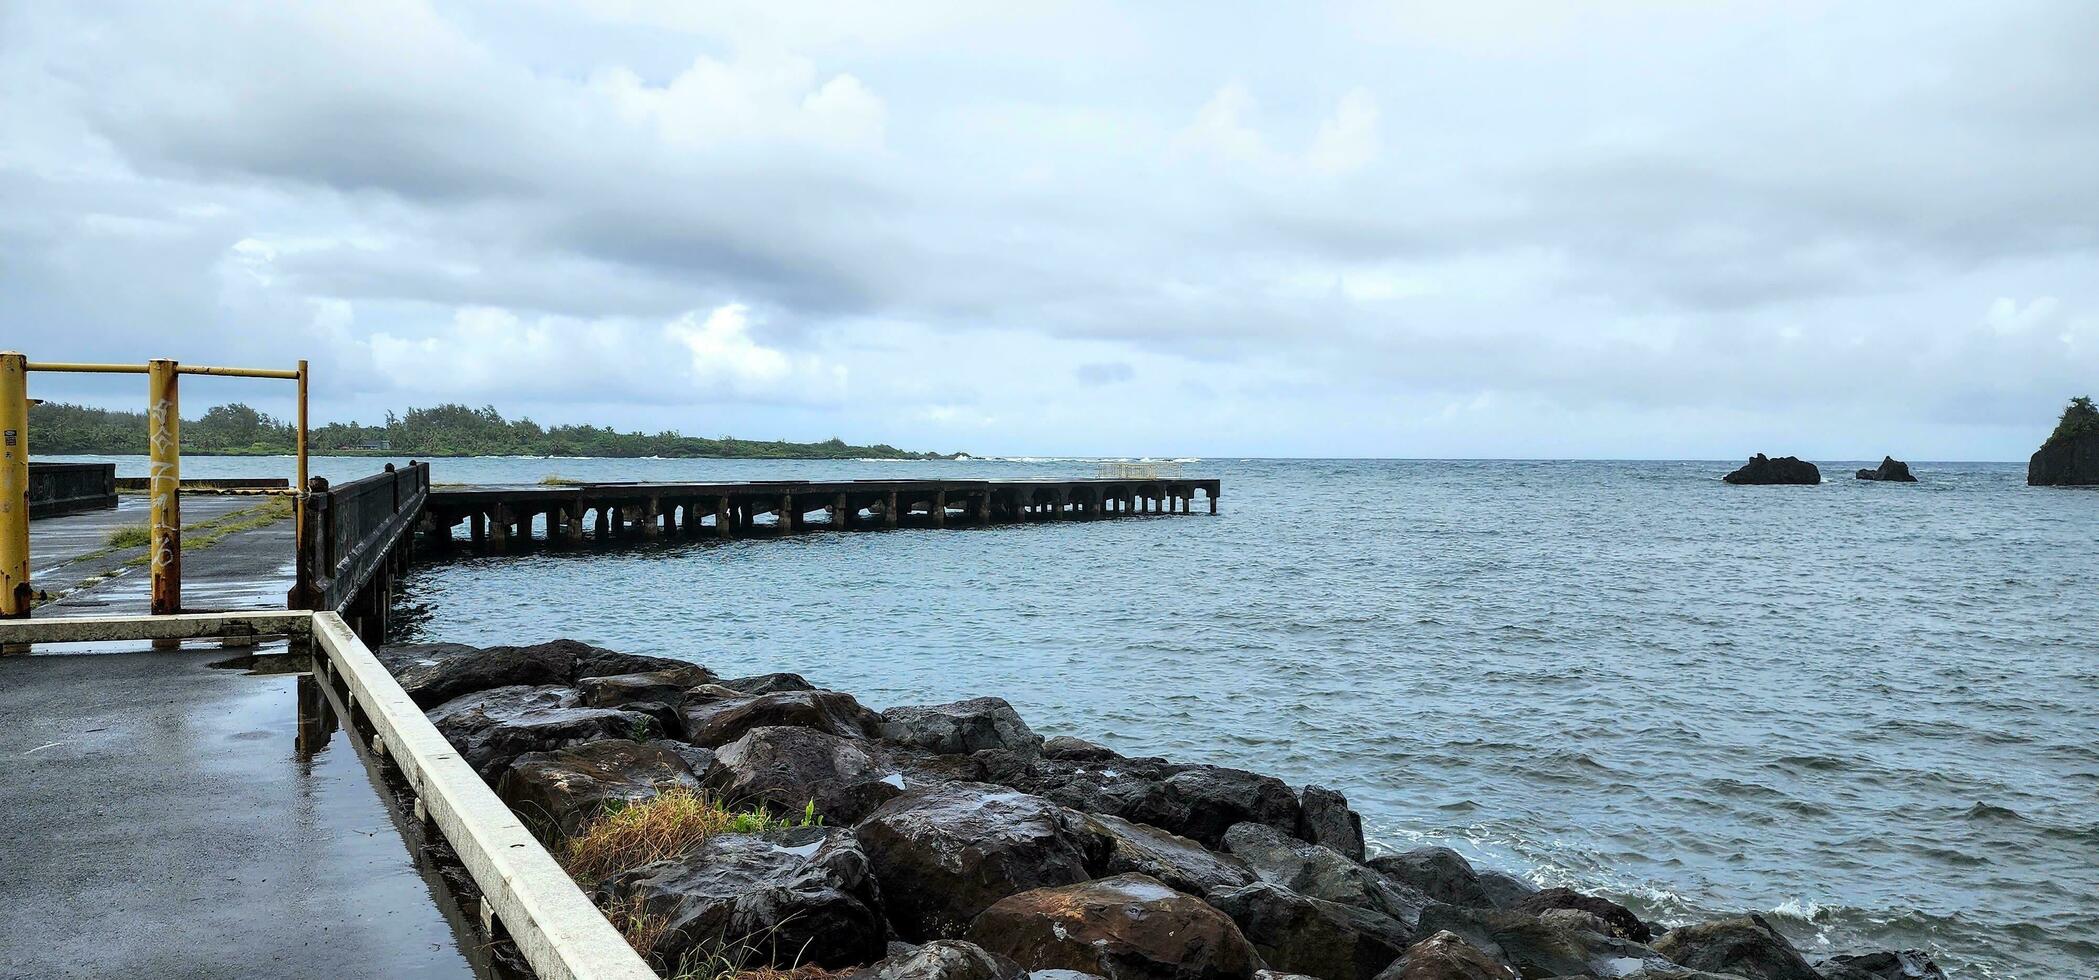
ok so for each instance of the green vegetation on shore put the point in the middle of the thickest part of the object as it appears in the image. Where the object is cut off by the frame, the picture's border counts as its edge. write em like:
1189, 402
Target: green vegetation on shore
447, 430
2079, 418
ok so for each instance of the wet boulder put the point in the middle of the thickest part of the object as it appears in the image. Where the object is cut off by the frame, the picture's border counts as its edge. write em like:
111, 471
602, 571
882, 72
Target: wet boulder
1128, 927
490, 728
1890, 470
944, 959
1310, 936
1503, 889
768, 684
1536, 948
716, 723
1621, 920
1076, 749
599, 662
1202, 802
946, 852
665, 686
960, 728
1174, 860
1762, 470
1906, 964
1321, 872
1439, 873
785, 770
1445, 956
434, 673
1747, 945
567, 788
1324, 818
790, 896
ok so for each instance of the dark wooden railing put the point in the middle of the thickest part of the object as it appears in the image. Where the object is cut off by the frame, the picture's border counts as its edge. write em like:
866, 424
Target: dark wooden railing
355, 538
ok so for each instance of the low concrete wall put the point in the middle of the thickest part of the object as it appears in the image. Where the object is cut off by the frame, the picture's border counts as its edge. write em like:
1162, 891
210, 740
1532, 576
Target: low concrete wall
211, 483
68, 488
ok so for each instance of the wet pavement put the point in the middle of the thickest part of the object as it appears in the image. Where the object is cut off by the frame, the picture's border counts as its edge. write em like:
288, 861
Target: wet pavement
160, 821
69, 558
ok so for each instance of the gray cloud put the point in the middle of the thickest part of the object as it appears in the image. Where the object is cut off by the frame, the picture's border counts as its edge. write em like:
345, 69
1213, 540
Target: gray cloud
933, 222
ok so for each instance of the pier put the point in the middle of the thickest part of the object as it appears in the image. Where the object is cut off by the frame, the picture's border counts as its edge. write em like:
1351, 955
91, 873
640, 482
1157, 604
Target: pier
505, 517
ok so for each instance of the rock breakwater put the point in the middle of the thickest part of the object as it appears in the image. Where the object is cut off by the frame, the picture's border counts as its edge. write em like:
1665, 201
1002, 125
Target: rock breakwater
953, 842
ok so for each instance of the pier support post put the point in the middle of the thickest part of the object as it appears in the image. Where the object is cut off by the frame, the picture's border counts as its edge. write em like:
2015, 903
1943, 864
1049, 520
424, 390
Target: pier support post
939, 508
572, 524
477, 529
604, 523
499, 528
651, 518
787, 514
983, 502
1057, 504
841, 514
722, 518
889, 510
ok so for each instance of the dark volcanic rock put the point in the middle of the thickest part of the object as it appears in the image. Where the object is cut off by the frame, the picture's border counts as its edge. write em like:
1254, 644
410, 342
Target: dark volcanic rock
2068, 462
960, 728
1764, 470
433, 673
768, 684
945, 959
1128, 927
1067, 747
793, 896
1621, 920
1445, 956
1503, 889
491, 728
1890, 470
1748, 946
947, 852
666, 686
1203, 802
599, 662
784, 769
1326, 819
1536, 948
716, 723
1441, 874
1174, 860
567, 788
1907, 964
1309, 936
1321, 872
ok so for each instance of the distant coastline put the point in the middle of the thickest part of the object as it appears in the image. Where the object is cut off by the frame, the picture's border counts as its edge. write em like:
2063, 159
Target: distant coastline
449, 430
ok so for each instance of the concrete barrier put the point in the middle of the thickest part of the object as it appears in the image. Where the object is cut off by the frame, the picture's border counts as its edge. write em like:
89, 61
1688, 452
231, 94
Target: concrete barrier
69, 488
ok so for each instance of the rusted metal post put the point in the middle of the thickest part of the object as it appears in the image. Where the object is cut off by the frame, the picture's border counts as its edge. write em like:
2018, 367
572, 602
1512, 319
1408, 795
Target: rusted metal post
299, 502
14, 485
164, 484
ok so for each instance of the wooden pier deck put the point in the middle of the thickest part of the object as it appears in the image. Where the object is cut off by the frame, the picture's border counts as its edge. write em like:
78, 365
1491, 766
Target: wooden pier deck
498, 517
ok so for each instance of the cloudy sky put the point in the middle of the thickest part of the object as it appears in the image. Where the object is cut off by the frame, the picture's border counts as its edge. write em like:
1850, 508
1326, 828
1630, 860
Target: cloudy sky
1619, 229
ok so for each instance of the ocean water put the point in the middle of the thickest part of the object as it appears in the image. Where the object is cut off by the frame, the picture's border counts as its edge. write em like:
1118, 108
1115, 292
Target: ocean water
1869, 711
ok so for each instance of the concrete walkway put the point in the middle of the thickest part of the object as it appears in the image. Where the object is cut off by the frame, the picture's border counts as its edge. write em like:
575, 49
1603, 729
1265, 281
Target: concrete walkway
69, 558
160, 822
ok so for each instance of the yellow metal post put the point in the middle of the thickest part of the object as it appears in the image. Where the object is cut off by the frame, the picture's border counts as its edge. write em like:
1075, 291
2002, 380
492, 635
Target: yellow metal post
299, 488
164, 471
14, 485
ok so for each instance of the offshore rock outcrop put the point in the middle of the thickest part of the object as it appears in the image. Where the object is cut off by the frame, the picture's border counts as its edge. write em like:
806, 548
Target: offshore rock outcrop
1890, 470
1762, 470
957, 844
2070, 457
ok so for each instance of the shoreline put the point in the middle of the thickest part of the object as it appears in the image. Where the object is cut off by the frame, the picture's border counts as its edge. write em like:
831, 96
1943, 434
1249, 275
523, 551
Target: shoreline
951, 825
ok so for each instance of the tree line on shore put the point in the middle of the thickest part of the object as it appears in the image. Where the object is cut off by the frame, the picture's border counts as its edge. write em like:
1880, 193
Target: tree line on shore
446, 430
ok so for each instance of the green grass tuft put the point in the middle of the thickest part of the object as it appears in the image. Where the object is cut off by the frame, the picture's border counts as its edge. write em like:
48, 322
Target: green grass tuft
128, 536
